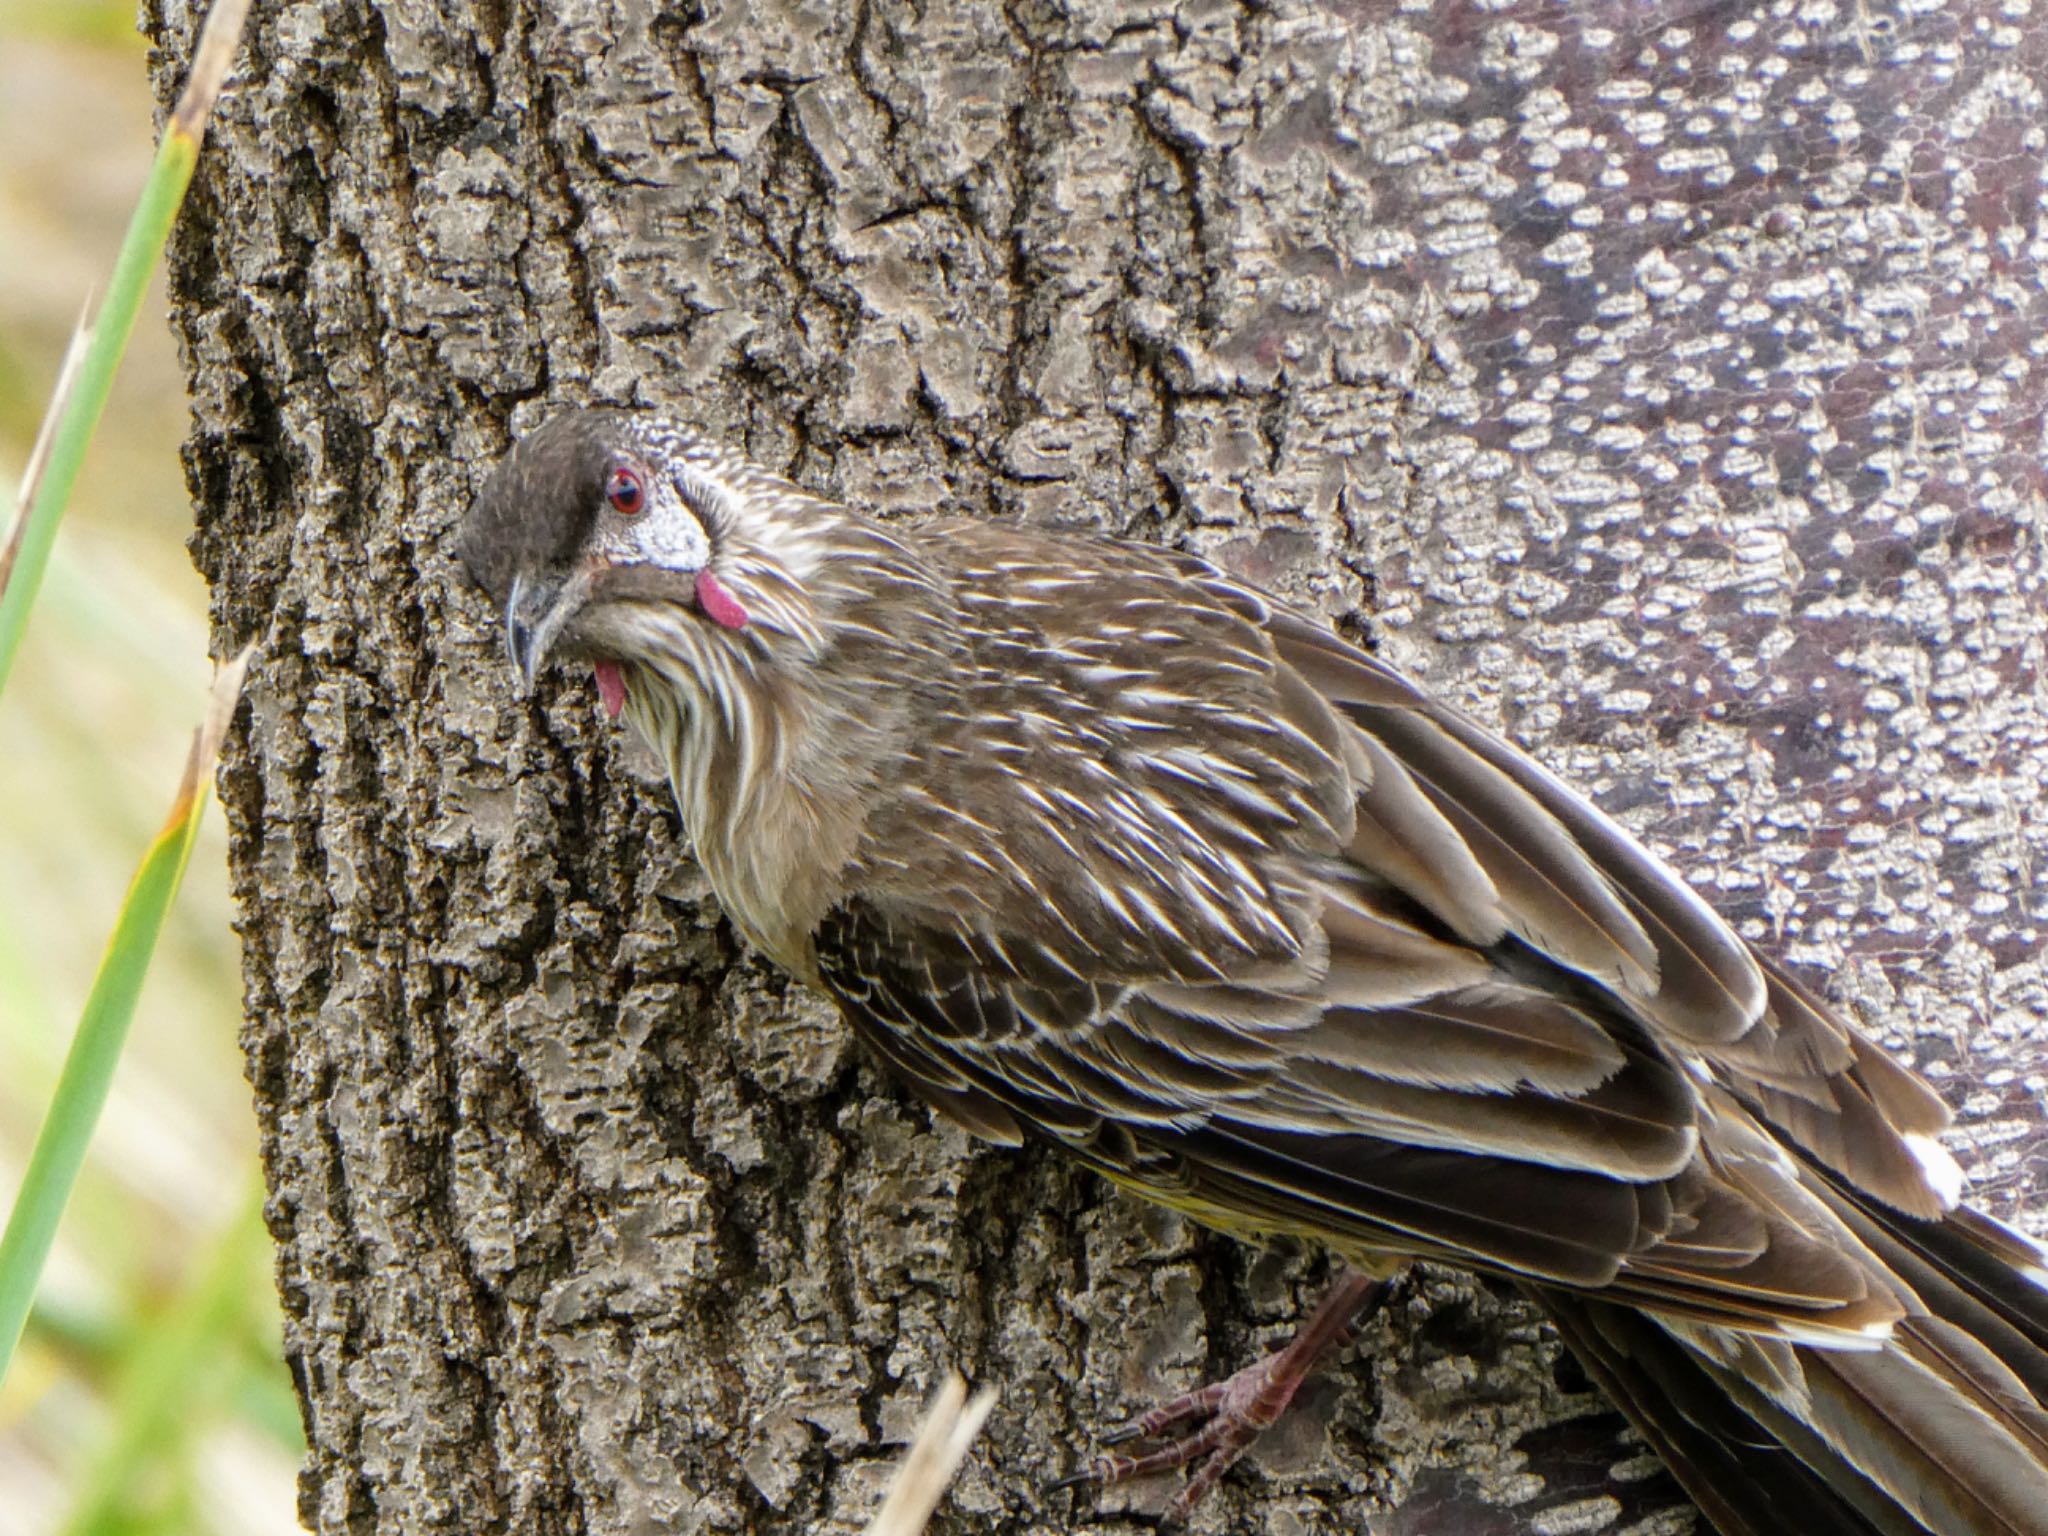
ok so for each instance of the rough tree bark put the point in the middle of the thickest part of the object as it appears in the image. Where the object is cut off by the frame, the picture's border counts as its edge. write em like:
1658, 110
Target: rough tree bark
1663, 383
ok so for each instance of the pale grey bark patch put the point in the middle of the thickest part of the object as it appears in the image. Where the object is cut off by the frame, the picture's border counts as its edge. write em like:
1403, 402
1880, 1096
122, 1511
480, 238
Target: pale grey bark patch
1661, 382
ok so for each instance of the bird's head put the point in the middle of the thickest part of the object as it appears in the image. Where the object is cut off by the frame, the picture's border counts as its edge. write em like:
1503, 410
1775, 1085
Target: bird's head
619, 536
771, 644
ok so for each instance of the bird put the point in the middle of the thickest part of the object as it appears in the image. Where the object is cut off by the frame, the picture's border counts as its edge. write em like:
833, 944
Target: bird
1096, 845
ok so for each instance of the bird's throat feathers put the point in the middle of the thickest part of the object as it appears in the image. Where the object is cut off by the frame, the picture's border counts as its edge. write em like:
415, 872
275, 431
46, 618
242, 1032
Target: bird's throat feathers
763, 705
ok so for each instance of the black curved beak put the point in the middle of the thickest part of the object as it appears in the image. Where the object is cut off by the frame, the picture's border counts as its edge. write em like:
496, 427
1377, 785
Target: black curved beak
534, 616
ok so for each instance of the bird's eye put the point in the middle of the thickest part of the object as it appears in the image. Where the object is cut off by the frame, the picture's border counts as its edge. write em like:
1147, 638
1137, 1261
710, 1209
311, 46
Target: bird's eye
625, 492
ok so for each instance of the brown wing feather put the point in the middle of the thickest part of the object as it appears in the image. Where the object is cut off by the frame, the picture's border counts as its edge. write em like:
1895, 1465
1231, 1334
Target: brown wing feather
1671, 950
1550, 893
1493, 1037
1566, 1155
1834, 1092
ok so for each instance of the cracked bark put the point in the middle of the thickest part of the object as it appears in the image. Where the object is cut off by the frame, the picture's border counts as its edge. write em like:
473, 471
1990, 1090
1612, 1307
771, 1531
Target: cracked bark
1661, 383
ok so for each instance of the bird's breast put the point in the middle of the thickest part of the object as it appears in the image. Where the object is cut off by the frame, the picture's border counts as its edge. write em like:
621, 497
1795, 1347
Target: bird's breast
772, 837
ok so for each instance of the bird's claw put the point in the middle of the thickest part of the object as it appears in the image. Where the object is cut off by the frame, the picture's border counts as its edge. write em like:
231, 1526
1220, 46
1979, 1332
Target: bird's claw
1229, 1415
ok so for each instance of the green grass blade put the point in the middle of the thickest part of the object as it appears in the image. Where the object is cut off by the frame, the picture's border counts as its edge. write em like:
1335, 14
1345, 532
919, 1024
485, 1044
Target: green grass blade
103, 1028
81, 397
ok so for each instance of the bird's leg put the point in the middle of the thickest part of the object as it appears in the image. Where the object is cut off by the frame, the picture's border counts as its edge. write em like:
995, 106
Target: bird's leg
1229, 1415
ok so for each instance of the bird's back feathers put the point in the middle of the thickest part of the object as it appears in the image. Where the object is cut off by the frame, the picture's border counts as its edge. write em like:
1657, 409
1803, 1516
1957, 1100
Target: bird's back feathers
1451, 1011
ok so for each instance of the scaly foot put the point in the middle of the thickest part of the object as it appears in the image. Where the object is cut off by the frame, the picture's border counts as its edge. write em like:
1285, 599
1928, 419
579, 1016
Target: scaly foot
1230, 1415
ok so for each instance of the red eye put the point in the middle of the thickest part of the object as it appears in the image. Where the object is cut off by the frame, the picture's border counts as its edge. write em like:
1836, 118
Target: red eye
625, 492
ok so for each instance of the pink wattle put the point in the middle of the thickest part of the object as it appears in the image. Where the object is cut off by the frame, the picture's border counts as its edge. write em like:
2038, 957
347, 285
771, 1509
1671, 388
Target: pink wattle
719, 605
611, 687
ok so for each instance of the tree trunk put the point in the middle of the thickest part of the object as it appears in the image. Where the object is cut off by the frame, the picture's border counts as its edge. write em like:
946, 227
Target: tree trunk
1667, 390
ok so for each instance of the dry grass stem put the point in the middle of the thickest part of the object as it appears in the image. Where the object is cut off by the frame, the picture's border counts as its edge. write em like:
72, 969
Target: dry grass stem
949, 1427
218, 37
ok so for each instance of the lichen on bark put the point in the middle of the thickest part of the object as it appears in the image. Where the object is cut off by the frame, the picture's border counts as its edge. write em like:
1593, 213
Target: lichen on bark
1658, 381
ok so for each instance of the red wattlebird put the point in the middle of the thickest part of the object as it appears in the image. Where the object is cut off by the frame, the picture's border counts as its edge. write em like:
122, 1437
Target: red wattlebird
1095, 844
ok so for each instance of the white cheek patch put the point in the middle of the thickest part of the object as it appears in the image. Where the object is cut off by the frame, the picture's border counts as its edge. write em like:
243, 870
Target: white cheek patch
668, 536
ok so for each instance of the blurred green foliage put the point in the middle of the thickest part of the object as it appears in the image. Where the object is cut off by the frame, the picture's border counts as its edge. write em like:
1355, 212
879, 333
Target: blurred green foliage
147, 1395
106, 24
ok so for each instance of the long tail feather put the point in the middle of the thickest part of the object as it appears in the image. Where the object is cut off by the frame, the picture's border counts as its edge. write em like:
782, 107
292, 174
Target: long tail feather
1942, 1431
1743, 1477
